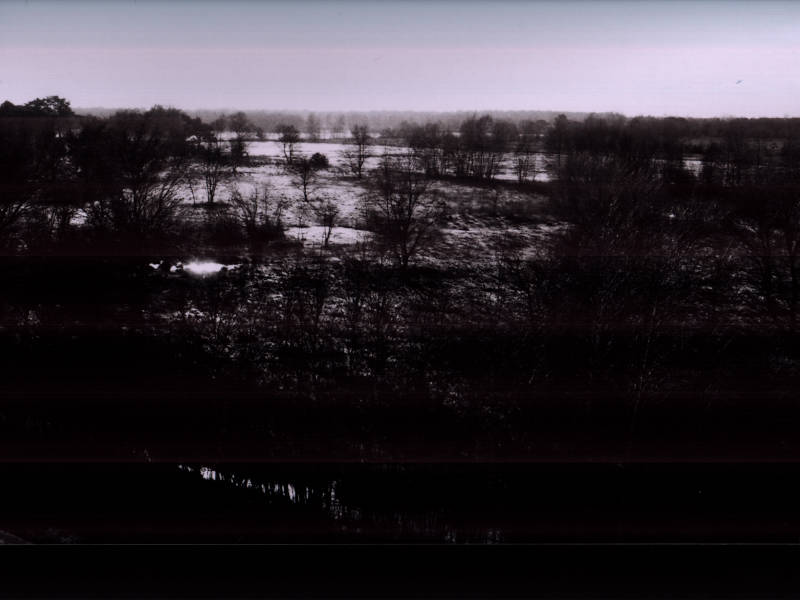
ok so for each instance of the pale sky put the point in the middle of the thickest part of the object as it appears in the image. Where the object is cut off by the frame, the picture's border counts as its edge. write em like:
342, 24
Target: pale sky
634, 57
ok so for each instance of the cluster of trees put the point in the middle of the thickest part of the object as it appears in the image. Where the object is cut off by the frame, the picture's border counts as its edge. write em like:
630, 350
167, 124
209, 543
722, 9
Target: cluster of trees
402, 209
398, 207
239, 124
477, 149
655, 262
309, 123
124, 180
290, 139
732, 145
479, 146
128, 173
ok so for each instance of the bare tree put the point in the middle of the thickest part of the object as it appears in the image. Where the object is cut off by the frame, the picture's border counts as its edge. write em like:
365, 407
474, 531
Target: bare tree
146, 201
212, 165
475, 141
12, 209
326, 212
313, 127
338, 126
22, 176
358, 156
426, 142
289, 139
766, 222
621, 263
259, 214
304, 175
558, 136
220, 125
401, 209
240, 124
524, 160
16, 191
611, 203
238, 154
241, 127
143, 177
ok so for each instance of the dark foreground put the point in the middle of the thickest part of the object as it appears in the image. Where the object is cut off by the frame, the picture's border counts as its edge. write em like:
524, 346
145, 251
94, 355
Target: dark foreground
140, 405
107, 360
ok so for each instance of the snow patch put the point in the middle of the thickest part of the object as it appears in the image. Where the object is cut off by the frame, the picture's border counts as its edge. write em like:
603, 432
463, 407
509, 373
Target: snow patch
339, 235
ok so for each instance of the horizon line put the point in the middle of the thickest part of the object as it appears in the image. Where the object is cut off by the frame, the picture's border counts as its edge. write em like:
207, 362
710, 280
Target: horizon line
226, 110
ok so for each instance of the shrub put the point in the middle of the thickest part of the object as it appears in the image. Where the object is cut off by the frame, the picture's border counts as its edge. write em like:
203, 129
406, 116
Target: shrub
319, 161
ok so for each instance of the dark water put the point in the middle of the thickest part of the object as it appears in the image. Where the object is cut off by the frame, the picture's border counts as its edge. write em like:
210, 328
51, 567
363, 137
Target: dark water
444, 504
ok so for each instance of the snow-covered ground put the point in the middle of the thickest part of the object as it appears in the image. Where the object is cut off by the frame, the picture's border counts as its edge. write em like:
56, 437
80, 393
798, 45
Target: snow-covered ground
282, 186
693, 164
479, 215
337, 155
197, 267
336, 152
315, 235
347, 193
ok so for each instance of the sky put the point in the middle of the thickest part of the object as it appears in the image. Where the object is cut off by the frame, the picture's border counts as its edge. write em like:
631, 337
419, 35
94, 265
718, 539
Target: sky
676, 57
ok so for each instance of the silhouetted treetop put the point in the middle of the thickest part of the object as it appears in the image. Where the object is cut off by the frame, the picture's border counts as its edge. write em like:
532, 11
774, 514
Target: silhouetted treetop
51, 106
